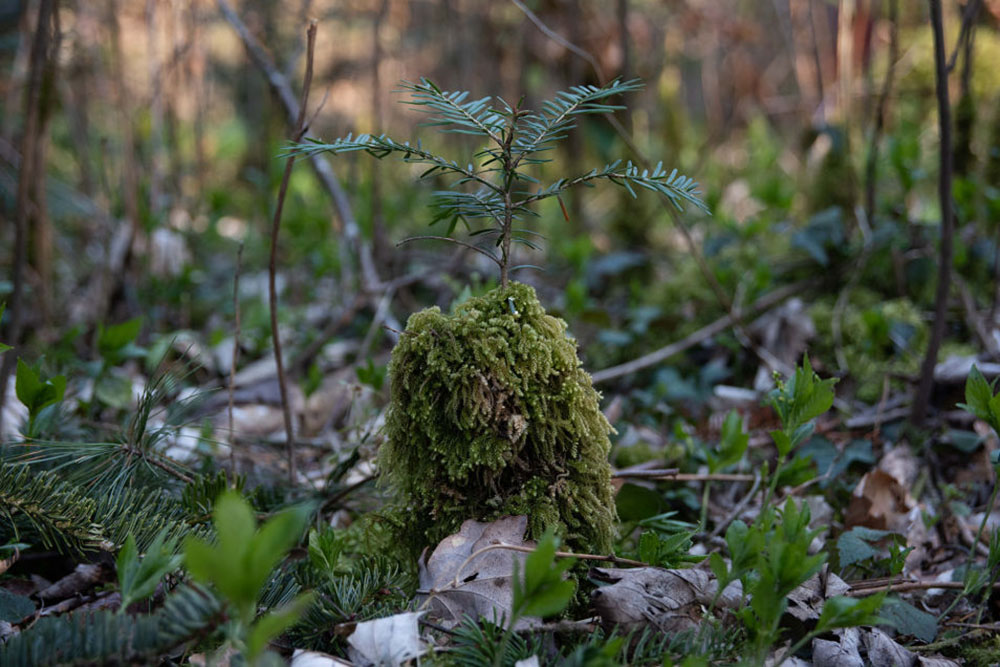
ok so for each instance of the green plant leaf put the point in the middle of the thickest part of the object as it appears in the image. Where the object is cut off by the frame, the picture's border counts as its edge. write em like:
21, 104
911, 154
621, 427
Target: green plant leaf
112, 340
274, 622
908, 619
733, 441
543, 590
853, 546
14, 607
36, 393
978, 395
138, 578
841, 611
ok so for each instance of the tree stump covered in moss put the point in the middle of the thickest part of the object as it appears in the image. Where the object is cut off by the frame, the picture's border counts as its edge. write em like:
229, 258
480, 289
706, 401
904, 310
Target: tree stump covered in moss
491, 414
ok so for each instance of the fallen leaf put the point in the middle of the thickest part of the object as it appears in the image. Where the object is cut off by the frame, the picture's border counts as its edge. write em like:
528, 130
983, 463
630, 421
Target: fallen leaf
805, 602
302, 658
884, 652
879, 501
843, 653
527, 662
388, 641
460, 583
670, 600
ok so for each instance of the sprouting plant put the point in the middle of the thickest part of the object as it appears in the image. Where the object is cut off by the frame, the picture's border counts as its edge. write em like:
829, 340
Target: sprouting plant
493, 194
983, 401
239, 566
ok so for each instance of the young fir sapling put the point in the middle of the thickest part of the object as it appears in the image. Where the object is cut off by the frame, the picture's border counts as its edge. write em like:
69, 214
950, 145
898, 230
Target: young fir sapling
491, 412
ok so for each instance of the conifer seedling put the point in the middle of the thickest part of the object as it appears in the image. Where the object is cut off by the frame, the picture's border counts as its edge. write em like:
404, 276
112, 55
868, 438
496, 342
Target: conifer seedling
491, 412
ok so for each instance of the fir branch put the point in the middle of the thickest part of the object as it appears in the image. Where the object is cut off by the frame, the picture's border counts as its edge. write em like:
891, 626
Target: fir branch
105, 637
382, 145
676, 187
475, 117
555, 119
38, 505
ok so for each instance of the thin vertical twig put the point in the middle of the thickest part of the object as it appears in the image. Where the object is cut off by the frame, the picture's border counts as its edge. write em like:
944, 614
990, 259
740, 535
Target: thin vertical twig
871, 171
300, 130
920, 402
235, 359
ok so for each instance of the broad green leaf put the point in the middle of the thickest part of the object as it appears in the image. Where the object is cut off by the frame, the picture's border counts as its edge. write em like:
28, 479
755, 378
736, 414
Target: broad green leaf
36, 393
111, 340
978, 394
14, 607
853, 546
909, 620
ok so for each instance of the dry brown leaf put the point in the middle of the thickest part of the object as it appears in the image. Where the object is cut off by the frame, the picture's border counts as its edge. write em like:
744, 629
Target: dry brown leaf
879, 501
806, 602
460, 583
670, 600
884, 652
843, 653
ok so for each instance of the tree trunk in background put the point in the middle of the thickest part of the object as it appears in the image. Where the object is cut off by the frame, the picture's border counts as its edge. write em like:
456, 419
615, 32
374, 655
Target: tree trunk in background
27, 182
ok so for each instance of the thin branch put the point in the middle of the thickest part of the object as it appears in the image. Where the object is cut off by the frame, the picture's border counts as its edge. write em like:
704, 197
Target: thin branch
283, 90
905, 586
272, 266
455, 241
235, 359
919, 409
764, 303
722, 525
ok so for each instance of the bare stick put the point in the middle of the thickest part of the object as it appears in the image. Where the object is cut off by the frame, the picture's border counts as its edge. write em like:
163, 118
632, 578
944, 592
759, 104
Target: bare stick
919, 412
283, 90
300, 129
722, 525
235, 359
766, 302
871, 172
905, 586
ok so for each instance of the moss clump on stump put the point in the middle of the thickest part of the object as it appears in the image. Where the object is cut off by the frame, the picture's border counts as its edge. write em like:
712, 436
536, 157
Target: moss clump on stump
492, 414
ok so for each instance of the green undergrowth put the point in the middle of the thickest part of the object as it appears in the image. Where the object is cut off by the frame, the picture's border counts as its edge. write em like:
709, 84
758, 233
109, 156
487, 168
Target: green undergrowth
491, 414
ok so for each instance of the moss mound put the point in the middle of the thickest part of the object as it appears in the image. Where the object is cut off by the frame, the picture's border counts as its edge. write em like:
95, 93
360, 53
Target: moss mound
491, 414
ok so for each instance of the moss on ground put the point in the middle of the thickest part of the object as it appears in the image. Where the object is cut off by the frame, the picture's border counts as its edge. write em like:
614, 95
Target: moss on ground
491, 414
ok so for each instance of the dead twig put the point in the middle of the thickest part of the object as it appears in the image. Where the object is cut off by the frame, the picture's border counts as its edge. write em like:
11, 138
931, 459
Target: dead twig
857, 591
283, 90
734, 514
235, 359
762, 304
300, 129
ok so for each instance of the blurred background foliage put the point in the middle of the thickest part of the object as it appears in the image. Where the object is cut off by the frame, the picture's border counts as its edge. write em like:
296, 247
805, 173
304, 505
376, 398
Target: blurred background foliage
154, 119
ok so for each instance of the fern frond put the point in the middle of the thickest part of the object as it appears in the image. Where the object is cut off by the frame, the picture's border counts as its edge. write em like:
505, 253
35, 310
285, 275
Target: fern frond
450, 108
105, 638
540, 130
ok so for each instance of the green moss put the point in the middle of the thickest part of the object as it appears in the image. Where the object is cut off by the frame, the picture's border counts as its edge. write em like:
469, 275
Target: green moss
491, 414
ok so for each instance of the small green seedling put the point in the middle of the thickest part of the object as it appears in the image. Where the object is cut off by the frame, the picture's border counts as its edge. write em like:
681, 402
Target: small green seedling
543, 590
239, 566
138, 577
36, 393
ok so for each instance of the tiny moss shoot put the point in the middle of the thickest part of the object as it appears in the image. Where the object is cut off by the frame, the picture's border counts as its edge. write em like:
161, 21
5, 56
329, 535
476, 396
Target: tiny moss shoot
492, 414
